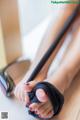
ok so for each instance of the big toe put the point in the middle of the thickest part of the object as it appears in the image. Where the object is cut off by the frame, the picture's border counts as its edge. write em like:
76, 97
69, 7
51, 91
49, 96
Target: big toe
41, 95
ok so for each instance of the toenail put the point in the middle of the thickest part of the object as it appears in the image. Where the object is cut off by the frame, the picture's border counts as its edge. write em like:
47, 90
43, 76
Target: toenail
39, 115
27, 106
36, 112
28, 103
30, 109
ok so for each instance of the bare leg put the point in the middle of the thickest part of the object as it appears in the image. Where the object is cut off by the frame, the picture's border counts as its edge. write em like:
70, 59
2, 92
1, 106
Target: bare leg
63, 76
49, 37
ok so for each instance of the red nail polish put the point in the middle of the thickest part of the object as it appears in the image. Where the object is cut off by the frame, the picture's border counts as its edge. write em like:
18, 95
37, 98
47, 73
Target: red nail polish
30, 109
36, 112
28, 104
39, 115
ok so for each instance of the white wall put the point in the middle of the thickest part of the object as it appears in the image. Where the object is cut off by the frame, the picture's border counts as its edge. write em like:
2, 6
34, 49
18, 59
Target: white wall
32, 12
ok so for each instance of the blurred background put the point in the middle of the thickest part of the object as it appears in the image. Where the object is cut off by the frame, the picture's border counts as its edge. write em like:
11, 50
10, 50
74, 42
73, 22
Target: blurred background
22, 26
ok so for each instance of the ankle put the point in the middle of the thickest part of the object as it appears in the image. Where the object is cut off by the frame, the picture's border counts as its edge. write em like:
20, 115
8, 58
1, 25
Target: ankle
58, 83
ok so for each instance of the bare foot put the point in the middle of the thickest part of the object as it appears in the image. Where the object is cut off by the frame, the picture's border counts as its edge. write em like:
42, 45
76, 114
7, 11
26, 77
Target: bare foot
22, 88
44, 109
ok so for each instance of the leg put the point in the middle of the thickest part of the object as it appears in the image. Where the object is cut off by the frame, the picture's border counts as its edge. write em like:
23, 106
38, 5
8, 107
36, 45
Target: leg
62, 77
49, 37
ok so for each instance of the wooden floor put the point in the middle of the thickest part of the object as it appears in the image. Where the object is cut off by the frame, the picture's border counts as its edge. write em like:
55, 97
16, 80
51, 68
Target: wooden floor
71, 108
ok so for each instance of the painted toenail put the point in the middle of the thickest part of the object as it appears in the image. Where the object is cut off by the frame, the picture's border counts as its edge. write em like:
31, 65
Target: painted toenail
27, 106
36, 112
30, 109
28, 103
39, 115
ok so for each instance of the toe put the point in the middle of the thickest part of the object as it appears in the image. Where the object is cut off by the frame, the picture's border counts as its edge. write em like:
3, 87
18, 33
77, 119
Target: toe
45, 111
50, 114
40, 109
33, 106
47, 114
41, 95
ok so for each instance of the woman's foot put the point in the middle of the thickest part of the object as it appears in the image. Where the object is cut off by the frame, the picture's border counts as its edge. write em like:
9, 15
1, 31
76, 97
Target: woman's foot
61, 79
23, 88
45, 109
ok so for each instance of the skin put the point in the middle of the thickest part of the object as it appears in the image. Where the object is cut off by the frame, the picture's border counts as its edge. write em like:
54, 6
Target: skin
70, 64
61, 79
